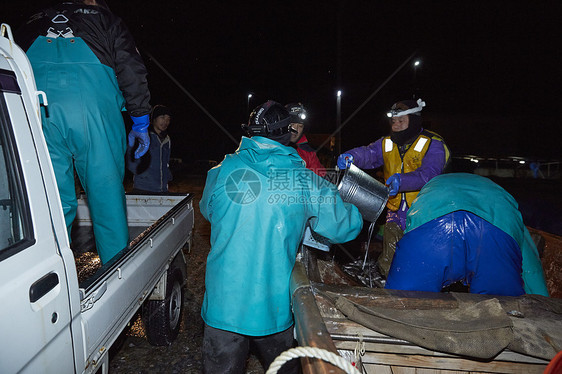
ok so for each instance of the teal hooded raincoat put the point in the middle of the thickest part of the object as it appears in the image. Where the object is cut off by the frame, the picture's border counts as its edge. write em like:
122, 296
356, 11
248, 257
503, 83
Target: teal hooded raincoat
258, 201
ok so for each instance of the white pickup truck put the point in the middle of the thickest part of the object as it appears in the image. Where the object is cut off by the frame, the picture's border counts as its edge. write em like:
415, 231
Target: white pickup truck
52, 320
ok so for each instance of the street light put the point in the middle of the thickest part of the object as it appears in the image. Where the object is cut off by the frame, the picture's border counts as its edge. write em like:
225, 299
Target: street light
338, 119
416, 64
248, 104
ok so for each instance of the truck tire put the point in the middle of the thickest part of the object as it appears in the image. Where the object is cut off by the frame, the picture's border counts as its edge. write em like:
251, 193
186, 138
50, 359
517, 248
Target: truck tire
162, 318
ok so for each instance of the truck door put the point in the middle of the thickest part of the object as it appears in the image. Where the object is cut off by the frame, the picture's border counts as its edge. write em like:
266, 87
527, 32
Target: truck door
35, 335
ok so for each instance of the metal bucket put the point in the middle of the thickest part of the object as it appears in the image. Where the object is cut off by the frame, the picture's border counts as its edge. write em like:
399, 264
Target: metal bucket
366, 193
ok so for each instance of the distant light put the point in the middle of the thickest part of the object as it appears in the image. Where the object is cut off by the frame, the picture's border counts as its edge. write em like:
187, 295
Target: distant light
474, 160
522, 162
417, 63
249, 96
339, 93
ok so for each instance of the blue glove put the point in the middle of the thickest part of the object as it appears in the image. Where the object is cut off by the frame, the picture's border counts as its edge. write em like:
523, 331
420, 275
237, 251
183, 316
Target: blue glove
140, 133
394, 184
344, 160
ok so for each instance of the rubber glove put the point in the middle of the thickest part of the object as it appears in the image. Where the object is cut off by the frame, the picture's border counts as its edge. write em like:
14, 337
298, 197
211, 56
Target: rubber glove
140, 133
394, 184
344, 160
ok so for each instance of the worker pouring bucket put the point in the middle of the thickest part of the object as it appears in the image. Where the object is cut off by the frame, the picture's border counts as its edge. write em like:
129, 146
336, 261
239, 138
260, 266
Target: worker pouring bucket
365, 192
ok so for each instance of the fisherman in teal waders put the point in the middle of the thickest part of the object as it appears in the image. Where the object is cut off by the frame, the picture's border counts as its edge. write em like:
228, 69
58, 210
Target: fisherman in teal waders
85, 60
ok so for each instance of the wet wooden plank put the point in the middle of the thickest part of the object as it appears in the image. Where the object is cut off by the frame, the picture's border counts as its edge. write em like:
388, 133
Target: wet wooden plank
389, 298
454, 364
309, 325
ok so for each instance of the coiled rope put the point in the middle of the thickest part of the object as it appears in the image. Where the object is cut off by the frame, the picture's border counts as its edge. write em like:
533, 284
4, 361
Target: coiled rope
312, 352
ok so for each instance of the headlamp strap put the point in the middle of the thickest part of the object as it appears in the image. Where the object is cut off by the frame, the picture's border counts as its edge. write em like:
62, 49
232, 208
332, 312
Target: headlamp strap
396, 113
278, 125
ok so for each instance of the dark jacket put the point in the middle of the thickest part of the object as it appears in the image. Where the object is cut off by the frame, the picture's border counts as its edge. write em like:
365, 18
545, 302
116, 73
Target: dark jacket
108, 38
152, 172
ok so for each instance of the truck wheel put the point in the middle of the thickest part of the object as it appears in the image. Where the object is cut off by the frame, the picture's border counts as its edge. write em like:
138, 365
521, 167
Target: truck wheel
162, 318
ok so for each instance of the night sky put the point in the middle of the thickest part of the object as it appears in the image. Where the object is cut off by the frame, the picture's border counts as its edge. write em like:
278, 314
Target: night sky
489, 73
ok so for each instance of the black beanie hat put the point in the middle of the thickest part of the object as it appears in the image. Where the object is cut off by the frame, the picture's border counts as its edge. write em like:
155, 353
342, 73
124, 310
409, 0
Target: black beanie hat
160, 110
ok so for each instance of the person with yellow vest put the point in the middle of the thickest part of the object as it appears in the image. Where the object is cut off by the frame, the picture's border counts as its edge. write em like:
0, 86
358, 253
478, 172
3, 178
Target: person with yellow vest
410, 156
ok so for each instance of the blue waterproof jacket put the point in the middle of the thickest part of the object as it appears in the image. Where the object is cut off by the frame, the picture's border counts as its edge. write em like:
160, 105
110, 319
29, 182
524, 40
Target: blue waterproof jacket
258, 201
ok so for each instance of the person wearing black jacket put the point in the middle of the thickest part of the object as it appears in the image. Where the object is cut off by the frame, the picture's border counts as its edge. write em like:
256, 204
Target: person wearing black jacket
85, 60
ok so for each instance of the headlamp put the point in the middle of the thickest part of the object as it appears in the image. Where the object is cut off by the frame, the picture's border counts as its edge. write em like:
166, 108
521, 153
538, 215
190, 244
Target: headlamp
400, 113
297, 111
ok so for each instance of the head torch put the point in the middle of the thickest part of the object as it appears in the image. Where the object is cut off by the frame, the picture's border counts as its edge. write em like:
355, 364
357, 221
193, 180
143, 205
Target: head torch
395, 112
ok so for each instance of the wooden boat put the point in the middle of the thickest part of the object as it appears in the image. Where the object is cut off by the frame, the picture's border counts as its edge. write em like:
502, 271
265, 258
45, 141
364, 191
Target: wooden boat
317, 285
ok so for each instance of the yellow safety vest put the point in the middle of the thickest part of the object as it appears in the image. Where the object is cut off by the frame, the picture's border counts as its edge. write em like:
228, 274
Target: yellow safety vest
413, 157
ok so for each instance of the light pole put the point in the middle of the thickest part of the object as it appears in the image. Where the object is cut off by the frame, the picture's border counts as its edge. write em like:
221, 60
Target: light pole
338, 120
248, 104
416, 64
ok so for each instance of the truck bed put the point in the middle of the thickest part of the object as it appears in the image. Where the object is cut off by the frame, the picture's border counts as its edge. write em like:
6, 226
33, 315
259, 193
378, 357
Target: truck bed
144, 212
111, 295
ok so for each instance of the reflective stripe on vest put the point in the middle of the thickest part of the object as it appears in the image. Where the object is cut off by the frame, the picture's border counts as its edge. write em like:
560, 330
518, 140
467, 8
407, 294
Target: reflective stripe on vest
419, 145
388, 145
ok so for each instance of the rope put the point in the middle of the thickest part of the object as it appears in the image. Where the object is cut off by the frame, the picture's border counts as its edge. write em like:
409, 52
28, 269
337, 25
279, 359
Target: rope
312, 352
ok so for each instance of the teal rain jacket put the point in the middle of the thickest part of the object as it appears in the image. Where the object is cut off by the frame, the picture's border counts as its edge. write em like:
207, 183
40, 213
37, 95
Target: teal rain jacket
488, 201
258, 201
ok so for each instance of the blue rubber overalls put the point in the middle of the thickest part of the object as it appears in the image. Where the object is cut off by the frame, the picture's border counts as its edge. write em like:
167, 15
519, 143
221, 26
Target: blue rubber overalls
84, 130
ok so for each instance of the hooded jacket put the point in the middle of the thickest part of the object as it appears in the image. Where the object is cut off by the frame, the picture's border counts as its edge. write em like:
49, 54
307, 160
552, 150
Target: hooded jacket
258, 201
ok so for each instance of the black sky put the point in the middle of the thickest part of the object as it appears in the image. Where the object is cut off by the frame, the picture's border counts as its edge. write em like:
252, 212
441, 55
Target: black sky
490, 72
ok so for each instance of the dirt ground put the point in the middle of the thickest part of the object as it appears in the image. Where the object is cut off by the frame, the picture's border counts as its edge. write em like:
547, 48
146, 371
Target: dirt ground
134, 354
